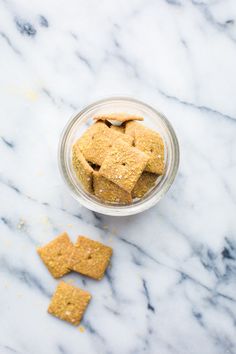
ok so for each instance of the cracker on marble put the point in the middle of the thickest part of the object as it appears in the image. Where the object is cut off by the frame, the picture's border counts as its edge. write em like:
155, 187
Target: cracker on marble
56, 255
97, 140
145, 182
90, 258
83, 170
69, 303
109, 191
123, 165
119, 117
150, 142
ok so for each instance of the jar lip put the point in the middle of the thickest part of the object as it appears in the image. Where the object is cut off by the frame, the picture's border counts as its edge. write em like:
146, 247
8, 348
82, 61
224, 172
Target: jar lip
112, 209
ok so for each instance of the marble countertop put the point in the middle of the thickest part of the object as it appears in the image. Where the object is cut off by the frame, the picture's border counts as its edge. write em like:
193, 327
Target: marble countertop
171, 288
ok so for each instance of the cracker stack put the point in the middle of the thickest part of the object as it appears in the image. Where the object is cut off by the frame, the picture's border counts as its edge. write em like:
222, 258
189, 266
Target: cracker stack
118, 159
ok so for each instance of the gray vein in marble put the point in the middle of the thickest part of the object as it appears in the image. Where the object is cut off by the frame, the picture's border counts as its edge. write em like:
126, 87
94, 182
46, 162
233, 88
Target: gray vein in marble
58, 100
147, 295
7, 222
9, 349
24, 276
222, 27
174, 2
8, 41
25, 28
43, 21
8, 143
198, 107
93, 331
110, 282
183, 275
84, 60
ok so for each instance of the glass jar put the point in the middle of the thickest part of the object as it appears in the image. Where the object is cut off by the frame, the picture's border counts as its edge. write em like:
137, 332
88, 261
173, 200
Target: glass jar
152, 119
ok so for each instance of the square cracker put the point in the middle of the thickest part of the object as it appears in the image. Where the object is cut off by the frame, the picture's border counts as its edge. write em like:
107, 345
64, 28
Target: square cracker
123, 165
90, 257
97, 140
150, 142
109, 191
145, 182
83, 170
56, 255
118, 128
119, 117
69, 303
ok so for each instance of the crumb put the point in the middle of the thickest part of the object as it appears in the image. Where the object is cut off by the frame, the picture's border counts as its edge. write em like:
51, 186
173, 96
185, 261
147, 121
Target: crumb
114, 231
81, 329
45, 220
21, 224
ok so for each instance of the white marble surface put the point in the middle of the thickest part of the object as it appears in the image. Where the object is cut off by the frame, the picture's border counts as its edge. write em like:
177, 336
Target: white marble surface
172, 285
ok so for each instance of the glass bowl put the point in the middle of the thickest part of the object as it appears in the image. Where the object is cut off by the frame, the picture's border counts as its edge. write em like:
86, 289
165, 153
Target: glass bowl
152, 119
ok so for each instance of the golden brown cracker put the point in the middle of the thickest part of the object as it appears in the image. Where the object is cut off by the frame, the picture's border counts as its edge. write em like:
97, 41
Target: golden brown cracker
150, 142
83, 170
145, 182
123, 165
120, 117
109, 191
69, 303
56, 255
97, 140
90, 258
118, 128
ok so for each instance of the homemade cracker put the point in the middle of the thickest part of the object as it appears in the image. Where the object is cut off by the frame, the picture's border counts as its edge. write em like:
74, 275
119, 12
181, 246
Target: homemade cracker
90, 258
130, 128
109, 191
120, 117
56, 255
150, 142
145, 182
118, 128
83, 170
123, 165
69, 303
97, 140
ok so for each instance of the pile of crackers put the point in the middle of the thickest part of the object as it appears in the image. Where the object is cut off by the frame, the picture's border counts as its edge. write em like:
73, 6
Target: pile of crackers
61, 256
118, 159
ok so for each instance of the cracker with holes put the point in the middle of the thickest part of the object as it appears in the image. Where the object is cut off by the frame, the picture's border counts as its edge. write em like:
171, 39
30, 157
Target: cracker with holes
56, 255
69, 303
109, 191
83, 170
119, 117
123, 165
90, 258
145, 182
97, 140
150, 142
